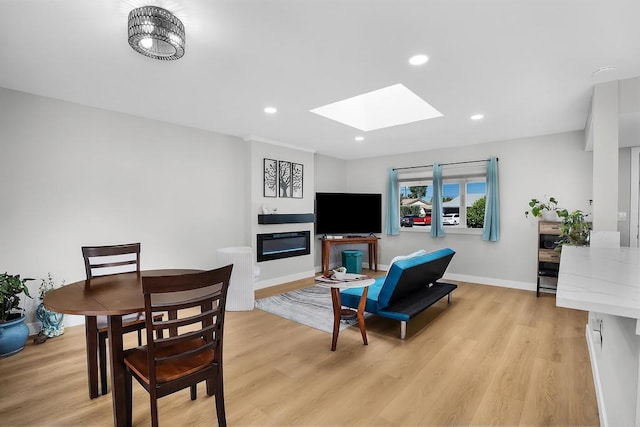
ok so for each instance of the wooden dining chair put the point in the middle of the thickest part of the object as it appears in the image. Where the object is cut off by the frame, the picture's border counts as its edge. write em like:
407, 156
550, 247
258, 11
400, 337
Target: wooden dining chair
192, 353
101, 261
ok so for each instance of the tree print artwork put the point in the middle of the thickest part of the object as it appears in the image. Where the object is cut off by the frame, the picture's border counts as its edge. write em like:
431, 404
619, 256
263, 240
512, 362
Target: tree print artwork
296, 180
284, 172
270, 178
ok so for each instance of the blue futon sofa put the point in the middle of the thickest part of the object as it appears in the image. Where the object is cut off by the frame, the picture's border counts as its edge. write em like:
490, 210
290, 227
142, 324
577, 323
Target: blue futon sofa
410, 287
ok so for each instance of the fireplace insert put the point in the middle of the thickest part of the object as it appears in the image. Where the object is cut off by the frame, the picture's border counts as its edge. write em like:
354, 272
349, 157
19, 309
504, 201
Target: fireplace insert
283, 245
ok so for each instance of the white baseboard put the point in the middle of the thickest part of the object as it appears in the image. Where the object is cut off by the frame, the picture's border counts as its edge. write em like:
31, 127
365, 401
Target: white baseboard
69, 320
527, 286
597, 382
450, 276
491, 281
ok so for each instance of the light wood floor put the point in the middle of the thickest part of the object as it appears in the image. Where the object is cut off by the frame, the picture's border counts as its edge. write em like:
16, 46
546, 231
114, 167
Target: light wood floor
495, 356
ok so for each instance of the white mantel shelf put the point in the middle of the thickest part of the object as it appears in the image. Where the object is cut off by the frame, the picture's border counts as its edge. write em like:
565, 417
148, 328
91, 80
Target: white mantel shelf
603, 280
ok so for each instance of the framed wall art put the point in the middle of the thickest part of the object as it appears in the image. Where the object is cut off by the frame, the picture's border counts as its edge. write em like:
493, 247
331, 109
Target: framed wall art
284, 182
297, 175
270, 176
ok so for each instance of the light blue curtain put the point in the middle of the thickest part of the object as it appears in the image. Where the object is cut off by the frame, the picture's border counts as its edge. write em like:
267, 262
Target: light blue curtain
491, 229
437, 227
392, 225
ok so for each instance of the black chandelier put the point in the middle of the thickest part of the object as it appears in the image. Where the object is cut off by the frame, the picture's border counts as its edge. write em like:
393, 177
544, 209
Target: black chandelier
157, 33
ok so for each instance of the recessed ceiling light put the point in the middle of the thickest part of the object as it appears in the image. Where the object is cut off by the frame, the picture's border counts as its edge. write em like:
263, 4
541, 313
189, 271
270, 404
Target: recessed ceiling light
359, 138
382, 108
477, 117
418, 59
270, 110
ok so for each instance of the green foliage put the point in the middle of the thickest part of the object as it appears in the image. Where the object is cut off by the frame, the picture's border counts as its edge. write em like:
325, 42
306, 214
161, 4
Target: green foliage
47, 285
10, 287
475, 213
537, 206
409, 210
417, 192
574, 229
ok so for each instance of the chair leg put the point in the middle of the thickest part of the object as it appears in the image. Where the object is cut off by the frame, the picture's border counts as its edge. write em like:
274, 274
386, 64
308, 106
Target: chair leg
194, 392
222, 418
91, 333
102, 361
154, 408
128, 389
139, 337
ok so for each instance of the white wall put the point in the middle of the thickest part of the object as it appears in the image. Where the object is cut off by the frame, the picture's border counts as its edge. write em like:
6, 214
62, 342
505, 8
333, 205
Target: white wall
554, 165
286, 269
604, 126
73, 175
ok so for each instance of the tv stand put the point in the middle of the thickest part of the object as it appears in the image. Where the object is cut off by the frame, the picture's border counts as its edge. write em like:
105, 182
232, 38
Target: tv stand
371, 241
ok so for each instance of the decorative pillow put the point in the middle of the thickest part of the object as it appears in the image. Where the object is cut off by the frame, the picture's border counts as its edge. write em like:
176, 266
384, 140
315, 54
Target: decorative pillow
402, 257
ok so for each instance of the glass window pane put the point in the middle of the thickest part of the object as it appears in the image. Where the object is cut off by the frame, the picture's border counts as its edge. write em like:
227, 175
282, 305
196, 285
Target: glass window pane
415, 204
476, 197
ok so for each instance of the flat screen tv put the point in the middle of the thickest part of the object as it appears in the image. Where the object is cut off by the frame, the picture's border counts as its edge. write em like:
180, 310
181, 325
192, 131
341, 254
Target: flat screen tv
348, 213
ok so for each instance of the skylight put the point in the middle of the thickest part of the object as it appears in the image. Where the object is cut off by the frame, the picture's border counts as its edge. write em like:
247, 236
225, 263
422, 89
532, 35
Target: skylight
382, 108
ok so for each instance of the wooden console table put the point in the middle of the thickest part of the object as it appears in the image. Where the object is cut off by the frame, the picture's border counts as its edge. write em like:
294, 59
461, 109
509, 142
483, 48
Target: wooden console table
371, 241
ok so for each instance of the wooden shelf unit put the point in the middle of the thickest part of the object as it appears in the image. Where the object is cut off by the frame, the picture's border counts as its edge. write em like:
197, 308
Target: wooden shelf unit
548, 257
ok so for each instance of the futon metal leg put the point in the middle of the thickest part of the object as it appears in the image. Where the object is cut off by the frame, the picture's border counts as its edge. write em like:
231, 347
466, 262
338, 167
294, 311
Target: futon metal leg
449, 298
403, 329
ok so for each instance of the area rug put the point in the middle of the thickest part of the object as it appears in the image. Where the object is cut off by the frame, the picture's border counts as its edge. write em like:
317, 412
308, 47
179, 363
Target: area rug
309, 306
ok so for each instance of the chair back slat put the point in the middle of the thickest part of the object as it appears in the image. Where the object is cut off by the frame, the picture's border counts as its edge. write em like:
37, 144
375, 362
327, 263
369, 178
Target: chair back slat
195, 303
184, 337
160, 360
189, 299
168, 324
97, 259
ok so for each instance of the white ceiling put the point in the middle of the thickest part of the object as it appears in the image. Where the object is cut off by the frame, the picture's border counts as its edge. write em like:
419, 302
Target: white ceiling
525, 64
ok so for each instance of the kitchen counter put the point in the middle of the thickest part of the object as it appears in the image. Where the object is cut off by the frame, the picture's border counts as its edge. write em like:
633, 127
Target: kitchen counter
603, 280
606, 283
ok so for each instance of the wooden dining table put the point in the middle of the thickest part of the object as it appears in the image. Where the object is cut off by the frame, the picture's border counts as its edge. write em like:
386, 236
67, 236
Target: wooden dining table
112, 296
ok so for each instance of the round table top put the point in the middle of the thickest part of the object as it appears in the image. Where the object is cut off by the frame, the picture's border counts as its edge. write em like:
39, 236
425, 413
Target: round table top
114, 294
360, 282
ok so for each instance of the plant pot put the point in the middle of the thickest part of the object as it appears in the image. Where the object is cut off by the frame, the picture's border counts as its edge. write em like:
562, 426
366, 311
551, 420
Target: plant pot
13, 336
51, 321
549, 215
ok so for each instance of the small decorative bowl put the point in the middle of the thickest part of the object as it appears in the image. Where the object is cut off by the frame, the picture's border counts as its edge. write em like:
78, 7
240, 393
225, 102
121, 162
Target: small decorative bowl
339, 275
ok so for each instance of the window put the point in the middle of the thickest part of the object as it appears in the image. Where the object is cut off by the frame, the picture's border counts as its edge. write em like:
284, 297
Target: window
463, 201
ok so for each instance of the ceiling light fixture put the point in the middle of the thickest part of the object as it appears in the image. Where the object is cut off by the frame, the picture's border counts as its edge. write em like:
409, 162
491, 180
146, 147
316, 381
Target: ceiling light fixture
157, 33
359, 138
270, 110
477, 117
418, 59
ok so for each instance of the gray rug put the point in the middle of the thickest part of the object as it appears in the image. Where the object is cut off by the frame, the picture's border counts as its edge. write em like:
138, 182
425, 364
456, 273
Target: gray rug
308, 306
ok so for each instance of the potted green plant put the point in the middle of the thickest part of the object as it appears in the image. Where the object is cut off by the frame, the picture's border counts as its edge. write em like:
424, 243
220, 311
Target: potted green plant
52, 325
13, 330
546, 209
574, 229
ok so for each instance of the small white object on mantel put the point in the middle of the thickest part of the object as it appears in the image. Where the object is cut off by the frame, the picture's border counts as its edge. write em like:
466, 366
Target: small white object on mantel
268, 210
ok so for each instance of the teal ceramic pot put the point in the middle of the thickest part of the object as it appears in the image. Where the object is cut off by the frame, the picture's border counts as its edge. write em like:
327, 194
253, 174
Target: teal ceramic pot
51, 321
13, 336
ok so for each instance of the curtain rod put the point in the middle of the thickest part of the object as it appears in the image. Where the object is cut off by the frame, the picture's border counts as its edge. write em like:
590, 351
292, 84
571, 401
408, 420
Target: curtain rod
443, 164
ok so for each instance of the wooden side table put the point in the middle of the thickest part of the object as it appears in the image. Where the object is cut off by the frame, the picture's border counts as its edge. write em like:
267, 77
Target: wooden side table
370, 241
360, 282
